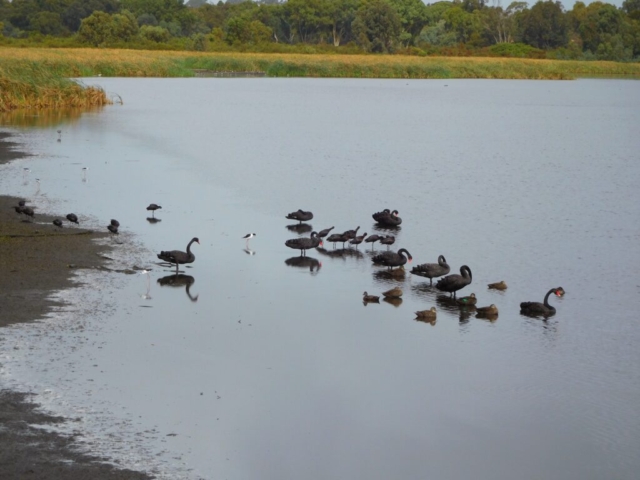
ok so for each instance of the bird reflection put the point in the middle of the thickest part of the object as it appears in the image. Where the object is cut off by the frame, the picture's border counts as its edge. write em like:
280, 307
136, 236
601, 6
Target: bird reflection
380, 228
179, 280
248, 251
300, 228
153, 220
395, 301
84, 174
147, 295
304, 262
430, 321
395, 274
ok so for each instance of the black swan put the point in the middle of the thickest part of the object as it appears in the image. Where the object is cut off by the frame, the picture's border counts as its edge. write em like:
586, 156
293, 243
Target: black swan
498, 285
325, 232
153, 207
427, 314
303, 244
372, 239
455, 282
470, 300
536, 308
73, 218
392, 259
300, 215
378, 215
178, 257
432, 270
388, 240
389, 219
57, 222
358, 239
393, 293
115, 223
487, 312
366, 298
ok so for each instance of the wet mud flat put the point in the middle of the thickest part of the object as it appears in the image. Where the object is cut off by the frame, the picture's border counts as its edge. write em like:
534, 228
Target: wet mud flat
35, 260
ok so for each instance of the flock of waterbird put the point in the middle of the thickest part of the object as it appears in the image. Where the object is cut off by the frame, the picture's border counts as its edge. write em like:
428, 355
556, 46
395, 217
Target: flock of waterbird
395, 261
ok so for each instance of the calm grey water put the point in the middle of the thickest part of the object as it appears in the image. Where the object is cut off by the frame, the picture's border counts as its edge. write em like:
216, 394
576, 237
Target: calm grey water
276, 371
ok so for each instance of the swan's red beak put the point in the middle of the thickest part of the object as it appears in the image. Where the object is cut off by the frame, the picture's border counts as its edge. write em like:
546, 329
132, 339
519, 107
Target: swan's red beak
321, 243
198, 242
410, 258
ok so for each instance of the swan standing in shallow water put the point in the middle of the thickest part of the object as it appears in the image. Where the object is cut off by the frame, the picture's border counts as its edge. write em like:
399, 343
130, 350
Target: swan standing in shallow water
452, 283
432, 270
179, 257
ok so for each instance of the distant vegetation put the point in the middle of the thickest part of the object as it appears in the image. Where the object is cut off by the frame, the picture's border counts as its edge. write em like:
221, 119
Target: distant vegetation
598, 31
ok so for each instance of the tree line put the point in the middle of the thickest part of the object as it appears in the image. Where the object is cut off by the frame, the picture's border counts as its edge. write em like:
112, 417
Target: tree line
595, 31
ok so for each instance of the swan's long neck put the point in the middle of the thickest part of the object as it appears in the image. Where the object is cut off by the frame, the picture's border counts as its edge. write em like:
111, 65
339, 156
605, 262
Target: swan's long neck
441, 260
189, 247
466, 272
546, 298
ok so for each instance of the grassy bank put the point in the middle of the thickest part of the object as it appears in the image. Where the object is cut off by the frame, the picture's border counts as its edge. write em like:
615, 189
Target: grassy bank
30, 84
141, 63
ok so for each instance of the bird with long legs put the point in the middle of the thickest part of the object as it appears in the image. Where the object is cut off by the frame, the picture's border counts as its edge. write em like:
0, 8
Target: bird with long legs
178, 257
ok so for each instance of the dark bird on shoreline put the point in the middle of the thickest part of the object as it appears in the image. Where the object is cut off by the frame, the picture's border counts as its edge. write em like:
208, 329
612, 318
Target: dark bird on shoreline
452, 283
389, 219
115, 223
393, 259
179, 257
113, 229
325, 232
432, 270
300, 215
467, 301
153, 207
498, 285
304, 244
388, 240
73, 218
358, 239
22, 203
28, 211
379, 215
535, 309
57, 222
372, 239
19, 209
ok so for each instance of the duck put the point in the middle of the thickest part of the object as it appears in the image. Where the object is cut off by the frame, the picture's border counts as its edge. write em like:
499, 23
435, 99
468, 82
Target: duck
370, 298
498, 285
427, 314
395, 292
115, 222
300, 215
153, 207
432, 270
73, 218
57, 222
534, 309
470, 300
303, 244
486, 312
392, 259
455, 282
178, 257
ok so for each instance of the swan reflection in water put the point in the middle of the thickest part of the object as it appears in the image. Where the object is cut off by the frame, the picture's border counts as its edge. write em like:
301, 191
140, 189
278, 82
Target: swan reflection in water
300, 228
305, 262
153, 220
179, 280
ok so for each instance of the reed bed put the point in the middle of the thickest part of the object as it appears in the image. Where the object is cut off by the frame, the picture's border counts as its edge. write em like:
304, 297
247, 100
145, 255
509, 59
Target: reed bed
37, 77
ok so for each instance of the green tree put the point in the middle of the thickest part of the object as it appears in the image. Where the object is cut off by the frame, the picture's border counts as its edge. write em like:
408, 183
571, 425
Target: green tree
154, 33
598, 23
377, 25
632, 8
413, 17
545, 25
78, 10
47, 23
307, 17
96, 29
341, 14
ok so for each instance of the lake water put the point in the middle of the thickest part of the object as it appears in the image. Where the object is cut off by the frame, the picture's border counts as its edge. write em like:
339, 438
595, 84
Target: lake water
264, 368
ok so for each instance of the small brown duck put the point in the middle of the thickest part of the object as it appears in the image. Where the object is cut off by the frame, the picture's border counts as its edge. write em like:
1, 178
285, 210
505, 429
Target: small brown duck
470, 300
427, 314
487, 312
393, 293
498, 285
370, 298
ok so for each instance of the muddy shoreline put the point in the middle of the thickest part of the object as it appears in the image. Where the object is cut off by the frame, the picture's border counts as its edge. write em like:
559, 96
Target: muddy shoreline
37, 259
